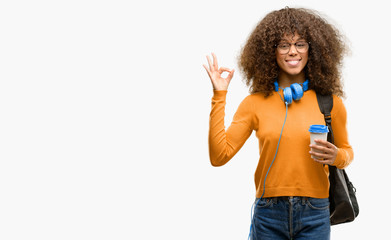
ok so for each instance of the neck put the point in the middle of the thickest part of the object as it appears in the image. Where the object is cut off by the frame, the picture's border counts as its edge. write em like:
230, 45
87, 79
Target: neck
285, 80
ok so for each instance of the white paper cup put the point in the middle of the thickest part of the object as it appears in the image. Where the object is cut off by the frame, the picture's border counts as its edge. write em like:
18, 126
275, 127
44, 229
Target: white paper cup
318, 132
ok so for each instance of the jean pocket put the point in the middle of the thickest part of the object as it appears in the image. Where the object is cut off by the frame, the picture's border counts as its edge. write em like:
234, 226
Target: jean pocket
318, 203
263, 203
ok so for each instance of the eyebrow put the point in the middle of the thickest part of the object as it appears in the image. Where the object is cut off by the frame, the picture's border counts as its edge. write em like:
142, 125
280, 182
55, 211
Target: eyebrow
286, 40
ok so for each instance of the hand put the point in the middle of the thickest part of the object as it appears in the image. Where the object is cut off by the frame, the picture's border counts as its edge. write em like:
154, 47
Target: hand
323, 152
214, 72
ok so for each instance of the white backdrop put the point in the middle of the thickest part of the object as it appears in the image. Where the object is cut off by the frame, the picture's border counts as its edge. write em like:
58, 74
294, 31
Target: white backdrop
104, 109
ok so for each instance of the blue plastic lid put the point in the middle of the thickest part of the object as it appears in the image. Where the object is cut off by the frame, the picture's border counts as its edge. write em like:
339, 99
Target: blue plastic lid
318, 129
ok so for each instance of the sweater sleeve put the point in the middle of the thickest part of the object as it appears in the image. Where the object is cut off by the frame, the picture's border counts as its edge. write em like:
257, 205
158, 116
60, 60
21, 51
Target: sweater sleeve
339, 125
224, 144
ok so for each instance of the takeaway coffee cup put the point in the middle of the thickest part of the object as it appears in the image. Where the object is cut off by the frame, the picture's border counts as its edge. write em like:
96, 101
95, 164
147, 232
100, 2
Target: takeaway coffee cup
318, 132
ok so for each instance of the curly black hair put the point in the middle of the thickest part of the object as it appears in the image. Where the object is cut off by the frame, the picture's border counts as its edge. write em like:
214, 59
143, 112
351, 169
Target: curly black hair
257, 59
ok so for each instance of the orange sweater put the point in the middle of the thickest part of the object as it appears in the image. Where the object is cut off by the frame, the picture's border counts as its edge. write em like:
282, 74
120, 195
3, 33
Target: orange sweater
294, 172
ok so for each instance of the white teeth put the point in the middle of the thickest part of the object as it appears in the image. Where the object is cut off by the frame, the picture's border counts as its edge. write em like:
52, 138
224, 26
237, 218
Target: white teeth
293, 62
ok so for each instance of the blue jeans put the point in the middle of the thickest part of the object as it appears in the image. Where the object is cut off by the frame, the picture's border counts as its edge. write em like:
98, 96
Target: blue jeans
291, 218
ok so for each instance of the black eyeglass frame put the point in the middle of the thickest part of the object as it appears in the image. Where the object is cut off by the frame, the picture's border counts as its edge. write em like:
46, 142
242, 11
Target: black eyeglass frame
290, 45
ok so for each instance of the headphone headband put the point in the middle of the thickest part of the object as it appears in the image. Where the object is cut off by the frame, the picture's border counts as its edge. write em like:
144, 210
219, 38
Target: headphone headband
295, 91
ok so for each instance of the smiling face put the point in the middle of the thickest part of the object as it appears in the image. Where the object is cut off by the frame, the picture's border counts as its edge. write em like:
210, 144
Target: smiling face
292, 62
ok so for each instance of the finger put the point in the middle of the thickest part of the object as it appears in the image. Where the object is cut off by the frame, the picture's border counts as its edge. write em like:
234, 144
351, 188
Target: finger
209, 63
323, 147
319, 155
330, 145
215, 64
207, 70
224, 69
323, 161
321, 142
231, 74
319, 148
324, 143
330, 148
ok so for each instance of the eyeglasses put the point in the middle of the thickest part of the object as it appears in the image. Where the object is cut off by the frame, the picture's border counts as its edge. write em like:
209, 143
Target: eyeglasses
301, 47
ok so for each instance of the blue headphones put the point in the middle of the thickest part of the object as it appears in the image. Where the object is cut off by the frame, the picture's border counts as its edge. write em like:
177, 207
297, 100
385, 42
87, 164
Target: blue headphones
294, 92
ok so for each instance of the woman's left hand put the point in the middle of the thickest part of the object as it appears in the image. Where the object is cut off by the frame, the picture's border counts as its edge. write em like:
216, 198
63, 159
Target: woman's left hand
323, 152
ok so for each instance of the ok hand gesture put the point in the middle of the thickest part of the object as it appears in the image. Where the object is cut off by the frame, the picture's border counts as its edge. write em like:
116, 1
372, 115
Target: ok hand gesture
214, 72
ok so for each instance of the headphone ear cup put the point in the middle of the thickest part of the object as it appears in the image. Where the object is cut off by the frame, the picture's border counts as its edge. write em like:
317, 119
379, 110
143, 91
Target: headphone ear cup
288, 95
276, 88
297, 91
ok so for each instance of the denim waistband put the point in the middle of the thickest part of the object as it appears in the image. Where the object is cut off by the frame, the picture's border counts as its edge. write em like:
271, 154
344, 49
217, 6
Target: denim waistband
287, 199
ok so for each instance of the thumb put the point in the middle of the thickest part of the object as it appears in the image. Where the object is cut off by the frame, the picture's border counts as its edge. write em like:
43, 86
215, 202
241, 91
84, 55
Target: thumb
231, 74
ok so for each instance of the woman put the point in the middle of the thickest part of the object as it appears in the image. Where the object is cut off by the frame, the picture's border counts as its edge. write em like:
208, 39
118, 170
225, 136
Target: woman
290, 51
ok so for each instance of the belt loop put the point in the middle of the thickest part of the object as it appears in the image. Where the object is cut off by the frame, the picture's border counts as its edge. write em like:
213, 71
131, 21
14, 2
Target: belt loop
304, 200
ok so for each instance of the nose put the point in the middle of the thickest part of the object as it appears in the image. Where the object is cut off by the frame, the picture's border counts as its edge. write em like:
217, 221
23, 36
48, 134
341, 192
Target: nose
292, 49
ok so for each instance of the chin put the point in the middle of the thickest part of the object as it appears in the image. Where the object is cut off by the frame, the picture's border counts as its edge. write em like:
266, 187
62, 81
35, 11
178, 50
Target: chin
293, 73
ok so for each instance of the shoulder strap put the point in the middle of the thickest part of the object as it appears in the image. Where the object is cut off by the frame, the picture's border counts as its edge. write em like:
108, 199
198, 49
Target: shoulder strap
325, 103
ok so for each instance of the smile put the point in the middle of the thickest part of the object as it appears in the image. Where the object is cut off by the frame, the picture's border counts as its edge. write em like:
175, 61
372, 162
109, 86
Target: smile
293, 62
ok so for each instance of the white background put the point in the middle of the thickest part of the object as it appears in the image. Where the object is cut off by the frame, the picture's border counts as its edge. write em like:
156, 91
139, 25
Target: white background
104, 109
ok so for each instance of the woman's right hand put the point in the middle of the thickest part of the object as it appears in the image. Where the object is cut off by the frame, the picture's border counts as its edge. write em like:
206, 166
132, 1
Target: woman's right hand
214, 72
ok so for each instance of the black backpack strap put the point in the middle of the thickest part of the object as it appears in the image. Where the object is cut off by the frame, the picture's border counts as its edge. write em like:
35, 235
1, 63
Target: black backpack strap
325, 103
337, 177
